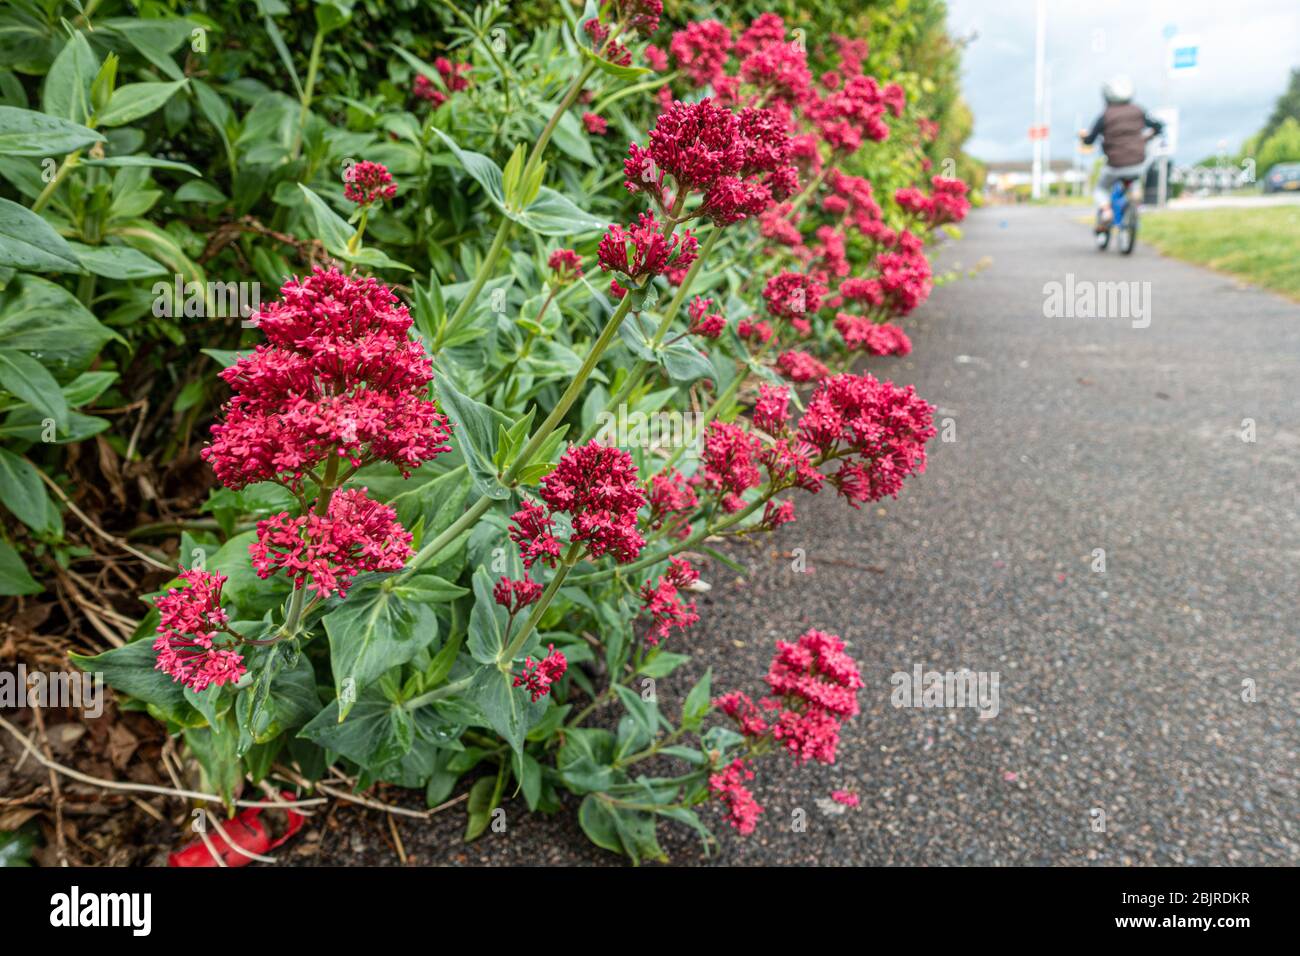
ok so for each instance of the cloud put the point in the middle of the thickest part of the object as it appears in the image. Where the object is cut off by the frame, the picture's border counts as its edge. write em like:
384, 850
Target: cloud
1247, 51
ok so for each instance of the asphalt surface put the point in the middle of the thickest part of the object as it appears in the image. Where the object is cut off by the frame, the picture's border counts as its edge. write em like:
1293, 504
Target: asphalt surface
1120, 691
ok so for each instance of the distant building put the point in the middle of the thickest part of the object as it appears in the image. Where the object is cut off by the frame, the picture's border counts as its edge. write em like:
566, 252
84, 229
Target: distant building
1014, 179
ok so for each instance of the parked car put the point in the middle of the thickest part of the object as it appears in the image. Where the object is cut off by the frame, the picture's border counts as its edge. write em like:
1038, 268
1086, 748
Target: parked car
1284, 177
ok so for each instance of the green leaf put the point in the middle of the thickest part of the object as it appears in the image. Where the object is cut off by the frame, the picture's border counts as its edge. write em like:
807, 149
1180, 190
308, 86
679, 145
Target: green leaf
480, 805
505, 706
154, 38
487, 621
475, 427
116, 262
196, 190
619, 829
67, 85
135, 100
217, 754
372, 632
145, 162
28, 133
378, 731
685, 363
662, 664
130, 669
28, 379
554, 214
22, 492
430, 589
329, 227
14, 577
613, 69
27, 242
483, 171
40, 317
698, 702
570, 138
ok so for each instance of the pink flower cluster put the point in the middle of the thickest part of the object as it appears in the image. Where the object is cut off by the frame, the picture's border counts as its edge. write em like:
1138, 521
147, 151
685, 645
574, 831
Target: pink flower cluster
861, 333
875, 430
565, 266
538, 676
704, 323
595, 124
595, 485
514, 596
339, 378
948, 202
327, 551
367, 182
672, 500
799, 366
663, 602
728, 785
792, 295
642, 251
813, 688
453, 78
190, 620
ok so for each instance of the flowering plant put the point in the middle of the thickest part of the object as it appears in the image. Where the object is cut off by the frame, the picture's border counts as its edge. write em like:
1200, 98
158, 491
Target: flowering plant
440, 562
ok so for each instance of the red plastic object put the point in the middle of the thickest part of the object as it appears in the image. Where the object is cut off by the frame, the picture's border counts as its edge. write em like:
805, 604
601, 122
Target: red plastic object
246, 831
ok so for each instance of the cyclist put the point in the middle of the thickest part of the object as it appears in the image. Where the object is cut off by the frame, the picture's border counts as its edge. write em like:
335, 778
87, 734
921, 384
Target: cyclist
1122, 127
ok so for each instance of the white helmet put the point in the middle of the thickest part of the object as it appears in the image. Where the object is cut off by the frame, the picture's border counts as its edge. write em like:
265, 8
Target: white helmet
1118, 89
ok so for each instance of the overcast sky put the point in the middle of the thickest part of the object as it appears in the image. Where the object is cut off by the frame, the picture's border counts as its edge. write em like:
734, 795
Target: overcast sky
1247, 49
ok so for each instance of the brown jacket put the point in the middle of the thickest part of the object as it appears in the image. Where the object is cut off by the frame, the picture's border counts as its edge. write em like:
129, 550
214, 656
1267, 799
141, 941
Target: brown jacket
1121, 128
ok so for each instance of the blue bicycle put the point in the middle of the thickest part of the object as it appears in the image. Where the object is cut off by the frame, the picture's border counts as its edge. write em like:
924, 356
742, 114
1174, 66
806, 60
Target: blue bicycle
1124, 218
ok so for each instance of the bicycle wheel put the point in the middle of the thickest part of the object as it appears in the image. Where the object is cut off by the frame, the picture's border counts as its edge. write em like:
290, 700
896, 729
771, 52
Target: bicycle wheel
1128, 236
1103, 240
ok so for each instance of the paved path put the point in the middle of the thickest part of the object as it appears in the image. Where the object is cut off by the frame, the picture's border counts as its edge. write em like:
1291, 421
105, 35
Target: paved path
1119, 691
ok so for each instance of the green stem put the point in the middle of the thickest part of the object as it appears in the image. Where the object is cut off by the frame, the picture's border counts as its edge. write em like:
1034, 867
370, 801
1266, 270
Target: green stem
438, 693
651, 84
453, 531
293, 615
65, 167
571, 556
313, 65
355, 242
569, 98
480, 279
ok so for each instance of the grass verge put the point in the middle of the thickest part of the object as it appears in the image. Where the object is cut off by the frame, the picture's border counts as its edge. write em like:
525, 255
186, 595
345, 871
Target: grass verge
1259, 245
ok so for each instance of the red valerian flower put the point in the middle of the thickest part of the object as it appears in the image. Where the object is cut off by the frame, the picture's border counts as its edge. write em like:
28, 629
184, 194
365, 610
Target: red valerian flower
777, 513
731, 199
190, 619
861, 333
596, 125
657, 59
596, 485
790, 295
781, 70
852, 52
368, 182
800, 366
790, 465
755, 331
846, 798
817, 685
356, 534
422, 88
514, 596
642, 251
728, 463
949, 203
453, 74
774, 223
738, 706
772, 409
905, 280
701, 51
704, 323
538, 676
640, 15
339, 377
728, 785
766, 28
613, 51
664, 604
531, 528
876, 430
696, 143
670, 496
565, 266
